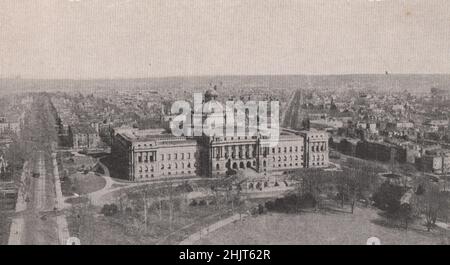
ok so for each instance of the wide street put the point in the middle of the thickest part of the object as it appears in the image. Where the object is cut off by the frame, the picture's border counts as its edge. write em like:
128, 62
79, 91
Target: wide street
37, 220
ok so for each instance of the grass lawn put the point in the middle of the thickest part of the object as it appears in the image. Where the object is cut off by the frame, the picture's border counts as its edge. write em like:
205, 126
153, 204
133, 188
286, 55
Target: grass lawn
81, 183
322, 228
72, 171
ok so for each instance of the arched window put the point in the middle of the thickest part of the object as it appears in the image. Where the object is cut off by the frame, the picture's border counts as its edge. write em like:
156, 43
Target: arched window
217, 166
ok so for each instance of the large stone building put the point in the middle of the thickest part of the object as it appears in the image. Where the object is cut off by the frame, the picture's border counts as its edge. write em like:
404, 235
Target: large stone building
294, 149
141, 155
147, 154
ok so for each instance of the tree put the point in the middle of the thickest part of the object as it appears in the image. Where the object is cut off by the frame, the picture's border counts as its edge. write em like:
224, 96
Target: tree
312, 182
146, 201
432, 204
342, 187
387, 197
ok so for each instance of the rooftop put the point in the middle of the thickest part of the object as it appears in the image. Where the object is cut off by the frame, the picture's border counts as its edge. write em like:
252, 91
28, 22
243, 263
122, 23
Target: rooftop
160, 135
82, 129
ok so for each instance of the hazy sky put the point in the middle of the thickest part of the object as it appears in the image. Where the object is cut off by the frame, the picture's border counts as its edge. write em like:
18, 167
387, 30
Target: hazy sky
146, 38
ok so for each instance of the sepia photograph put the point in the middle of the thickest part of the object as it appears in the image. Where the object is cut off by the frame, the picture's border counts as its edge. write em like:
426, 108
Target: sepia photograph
196, 123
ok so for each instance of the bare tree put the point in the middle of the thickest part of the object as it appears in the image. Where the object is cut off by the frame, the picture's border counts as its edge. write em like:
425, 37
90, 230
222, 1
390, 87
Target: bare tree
145, 201
431, 204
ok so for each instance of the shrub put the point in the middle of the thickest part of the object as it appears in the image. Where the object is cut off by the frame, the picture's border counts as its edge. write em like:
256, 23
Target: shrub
261, 209
387, 197
109, 209
128, 210
290, 203
193, 203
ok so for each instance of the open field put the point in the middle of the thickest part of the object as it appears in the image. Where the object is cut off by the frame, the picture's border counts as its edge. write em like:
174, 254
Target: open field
329, 227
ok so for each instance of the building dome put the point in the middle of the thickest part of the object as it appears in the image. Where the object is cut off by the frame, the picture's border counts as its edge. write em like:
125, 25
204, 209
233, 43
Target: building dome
211, 94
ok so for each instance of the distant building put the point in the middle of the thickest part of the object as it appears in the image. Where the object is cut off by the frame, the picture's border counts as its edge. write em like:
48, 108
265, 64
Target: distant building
436, 161
381, 151
3, 165
399, 125
5, 143
83, 137
6, 126
346, 146
440, 93
327, 123
437, 123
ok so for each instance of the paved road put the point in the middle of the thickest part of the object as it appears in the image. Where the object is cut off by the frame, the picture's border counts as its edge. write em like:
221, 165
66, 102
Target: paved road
37, 219
38, 223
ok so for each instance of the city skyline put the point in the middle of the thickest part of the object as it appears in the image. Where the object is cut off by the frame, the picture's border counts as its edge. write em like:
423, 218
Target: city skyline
98, 39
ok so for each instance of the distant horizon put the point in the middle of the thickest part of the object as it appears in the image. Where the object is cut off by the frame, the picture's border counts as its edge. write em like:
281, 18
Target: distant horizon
225, 75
